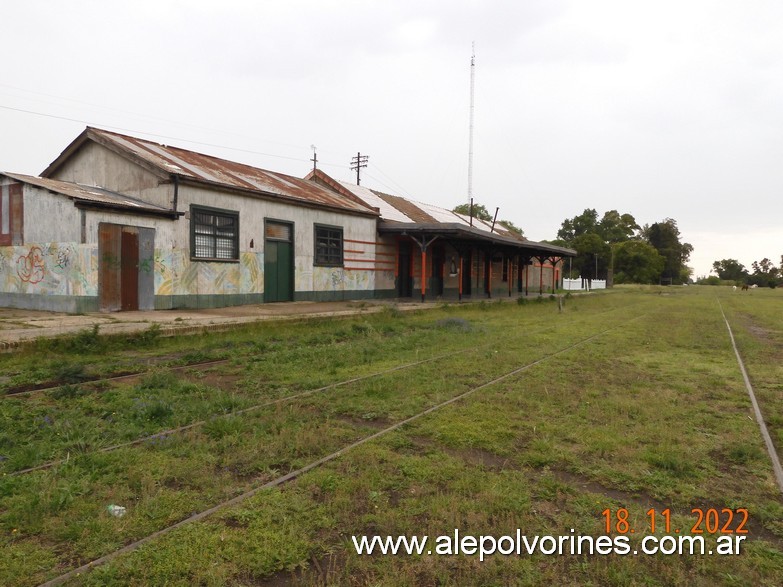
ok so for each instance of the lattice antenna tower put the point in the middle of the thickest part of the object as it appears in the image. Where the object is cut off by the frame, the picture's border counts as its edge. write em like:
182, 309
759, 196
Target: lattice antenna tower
470, 139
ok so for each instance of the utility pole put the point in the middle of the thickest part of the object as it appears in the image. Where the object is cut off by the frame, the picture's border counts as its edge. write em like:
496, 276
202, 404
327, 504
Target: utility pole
315, 157
358, 163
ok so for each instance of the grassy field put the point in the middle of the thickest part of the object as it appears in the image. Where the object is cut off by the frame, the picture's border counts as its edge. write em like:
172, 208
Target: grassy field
630, 400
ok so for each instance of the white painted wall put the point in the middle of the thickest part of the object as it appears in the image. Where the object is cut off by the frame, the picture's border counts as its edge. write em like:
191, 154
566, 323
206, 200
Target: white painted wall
95, 165
49, 217
254, 211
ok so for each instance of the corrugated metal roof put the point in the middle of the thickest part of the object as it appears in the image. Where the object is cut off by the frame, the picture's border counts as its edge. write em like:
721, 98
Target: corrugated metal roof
400, 215
388, 212
438, 213
407, 207
476, 234
85, 193
197, 167
423, 213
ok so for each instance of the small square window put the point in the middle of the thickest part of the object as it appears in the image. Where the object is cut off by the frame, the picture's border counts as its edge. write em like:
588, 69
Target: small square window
328, 246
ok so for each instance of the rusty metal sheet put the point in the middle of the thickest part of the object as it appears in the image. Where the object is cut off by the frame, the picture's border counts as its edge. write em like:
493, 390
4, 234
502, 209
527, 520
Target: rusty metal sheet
11, 214
5, 216
129, 269
17, 213
213, 170
87, 193
408, 208
109, 265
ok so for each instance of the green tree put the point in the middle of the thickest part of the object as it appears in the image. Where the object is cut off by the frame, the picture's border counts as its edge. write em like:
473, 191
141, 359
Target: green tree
479, 211
665, 237
592, 255
636, 261
765, 273
730, 269
585, 223
616, 228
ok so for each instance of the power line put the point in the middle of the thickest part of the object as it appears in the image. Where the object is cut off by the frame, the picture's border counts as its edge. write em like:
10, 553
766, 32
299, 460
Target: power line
159, 136
399, 187
395, 187
144, 116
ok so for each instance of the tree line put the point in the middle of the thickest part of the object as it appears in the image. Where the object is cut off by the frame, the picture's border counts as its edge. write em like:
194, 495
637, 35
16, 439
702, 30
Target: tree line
616, 248
731, 272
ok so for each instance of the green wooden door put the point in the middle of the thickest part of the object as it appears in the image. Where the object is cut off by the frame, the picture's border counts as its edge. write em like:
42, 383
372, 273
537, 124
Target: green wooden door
278, 262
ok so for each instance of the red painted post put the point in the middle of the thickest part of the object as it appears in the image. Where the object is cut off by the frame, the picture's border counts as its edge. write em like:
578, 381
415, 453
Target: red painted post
423, 274
540, 277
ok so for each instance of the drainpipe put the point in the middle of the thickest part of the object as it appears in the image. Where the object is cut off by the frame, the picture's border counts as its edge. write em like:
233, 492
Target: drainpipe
175, 179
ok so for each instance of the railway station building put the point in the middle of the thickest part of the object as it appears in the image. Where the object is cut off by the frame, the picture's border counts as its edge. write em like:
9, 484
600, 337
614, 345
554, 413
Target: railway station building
122, 223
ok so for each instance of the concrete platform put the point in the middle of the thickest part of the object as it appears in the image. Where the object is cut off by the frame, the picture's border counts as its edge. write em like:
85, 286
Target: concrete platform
20, 326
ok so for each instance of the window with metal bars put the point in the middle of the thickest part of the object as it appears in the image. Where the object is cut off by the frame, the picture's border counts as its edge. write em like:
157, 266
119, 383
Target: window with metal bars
214, 234
328, 246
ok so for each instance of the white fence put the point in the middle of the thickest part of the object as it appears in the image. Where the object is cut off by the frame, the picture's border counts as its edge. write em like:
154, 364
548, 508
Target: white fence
583, 284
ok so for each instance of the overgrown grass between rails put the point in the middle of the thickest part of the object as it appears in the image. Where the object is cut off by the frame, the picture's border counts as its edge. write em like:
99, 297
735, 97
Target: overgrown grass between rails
381, 399
127, 412
649, 409
212, 433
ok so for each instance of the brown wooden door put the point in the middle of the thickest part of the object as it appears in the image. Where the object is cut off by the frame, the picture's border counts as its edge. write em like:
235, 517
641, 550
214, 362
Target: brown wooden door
109, 238
129, 291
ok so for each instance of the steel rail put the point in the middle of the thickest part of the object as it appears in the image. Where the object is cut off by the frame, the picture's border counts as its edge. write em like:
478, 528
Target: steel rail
14, 394
273, 402
773, 454
298, 472
116, 377
200, 423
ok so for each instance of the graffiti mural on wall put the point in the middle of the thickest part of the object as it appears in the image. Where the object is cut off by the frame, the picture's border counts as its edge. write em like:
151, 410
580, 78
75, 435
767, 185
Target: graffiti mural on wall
72, 269
176, 274
30, 268
330, 279
63, 258
337, 279
49, 269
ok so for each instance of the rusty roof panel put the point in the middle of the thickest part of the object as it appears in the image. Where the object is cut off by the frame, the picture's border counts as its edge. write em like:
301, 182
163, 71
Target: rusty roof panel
407, 207
85, 193
372, 199
205, 168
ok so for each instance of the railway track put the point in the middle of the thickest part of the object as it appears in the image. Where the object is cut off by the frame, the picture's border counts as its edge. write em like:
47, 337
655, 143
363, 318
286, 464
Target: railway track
292, 475
771, 451
233, 413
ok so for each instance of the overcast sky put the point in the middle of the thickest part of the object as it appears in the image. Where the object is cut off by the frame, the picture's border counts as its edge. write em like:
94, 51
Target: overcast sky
663, 109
